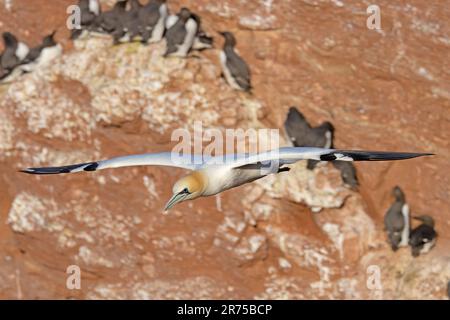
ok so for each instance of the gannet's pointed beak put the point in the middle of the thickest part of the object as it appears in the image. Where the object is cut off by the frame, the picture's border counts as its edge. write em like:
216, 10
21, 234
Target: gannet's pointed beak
176, 198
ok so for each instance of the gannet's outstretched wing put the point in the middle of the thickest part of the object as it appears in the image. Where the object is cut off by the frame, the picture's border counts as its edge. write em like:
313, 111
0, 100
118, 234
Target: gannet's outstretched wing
149, 159
291, 155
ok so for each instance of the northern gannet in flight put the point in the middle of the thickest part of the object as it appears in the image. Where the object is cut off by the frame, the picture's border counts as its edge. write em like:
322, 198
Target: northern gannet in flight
212, 175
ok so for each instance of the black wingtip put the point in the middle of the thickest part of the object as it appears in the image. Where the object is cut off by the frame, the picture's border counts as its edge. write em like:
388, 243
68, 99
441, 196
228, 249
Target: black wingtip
36, 171
382, 156
41, 171
25, 171
90, 166
371, 155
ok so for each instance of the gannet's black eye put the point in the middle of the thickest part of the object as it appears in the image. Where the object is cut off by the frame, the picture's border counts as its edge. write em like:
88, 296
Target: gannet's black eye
185, 190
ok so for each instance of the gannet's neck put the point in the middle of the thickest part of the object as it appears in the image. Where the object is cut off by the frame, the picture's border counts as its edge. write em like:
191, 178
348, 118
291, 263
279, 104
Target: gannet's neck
221, 178
199, 180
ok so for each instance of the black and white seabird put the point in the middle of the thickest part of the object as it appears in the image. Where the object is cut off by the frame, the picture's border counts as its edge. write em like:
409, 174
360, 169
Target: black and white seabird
129, 23
11, 58
111, 21
396, 221
14, 52
90, 11
152, 20
348, 173
234, 68
180, 37
42, 54
423, 237
219, 173
301, 134
202, 40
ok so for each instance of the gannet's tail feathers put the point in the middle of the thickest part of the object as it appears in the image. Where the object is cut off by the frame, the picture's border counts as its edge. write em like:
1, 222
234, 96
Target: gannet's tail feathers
150, 159
90, 166
345, 155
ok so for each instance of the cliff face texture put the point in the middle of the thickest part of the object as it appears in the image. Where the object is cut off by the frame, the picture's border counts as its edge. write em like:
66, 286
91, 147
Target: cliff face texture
297, 235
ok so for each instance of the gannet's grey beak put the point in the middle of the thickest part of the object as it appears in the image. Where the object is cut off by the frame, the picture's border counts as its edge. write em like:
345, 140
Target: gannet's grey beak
176, 198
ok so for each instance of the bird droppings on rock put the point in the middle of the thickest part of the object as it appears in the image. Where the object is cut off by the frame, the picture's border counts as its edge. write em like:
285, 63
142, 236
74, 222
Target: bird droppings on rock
31, 213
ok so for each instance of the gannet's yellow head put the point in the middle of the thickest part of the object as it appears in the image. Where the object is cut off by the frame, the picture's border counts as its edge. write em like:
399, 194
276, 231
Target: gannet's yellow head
187, 188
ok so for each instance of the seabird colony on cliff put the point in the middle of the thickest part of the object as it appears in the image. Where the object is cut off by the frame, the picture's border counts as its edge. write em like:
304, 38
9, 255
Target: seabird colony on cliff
129, 20
17, 58
397, 223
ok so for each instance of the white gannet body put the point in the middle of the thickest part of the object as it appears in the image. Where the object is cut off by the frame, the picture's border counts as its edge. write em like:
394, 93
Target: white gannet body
213, 175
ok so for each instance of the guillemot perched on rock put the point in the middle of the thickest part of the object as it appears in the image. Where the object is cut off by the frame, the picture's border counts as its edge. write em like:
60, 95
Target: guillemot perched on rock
152, 20
348, 173
301, 134
234, 68
43, 54
180, 37
202, 40
423, 238
396, 221
11, 57
89, 10
14, 52
111, 21
129, 23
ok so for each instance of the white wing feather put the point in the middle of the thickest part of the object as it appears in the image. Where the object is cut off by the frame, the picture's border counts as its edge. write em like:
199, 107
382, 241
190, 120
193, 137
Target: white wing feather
281, 156
149, 159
